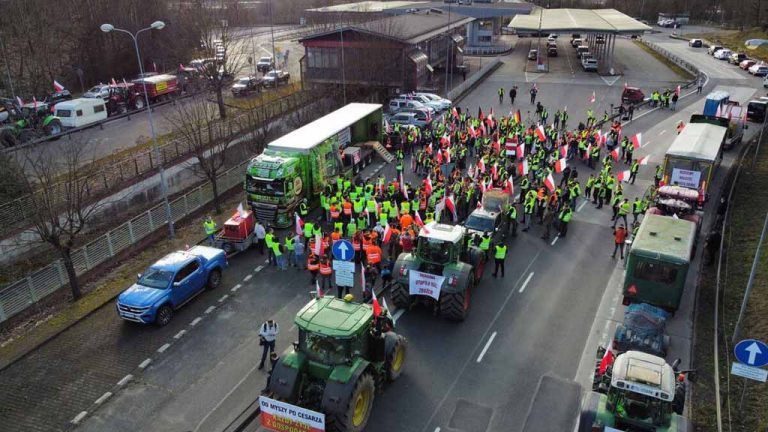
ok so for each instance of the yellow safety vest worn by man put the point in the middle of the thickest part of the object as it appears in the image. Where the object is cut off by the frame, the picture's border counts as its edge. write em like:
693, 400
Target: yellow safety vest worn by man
210, 229
501, 253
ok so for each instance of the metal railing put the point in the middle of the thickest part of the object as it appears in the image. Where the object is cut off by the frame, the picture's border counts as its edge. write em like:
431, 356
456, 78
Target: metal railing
18, 296
693, 70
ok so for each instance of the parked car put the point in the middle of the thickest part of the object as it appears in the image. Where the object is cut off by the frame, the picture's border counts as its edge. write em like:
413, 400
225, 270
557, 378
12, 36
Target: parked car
274, 78
245, 85
589, 64
552, 51
170, 283
446, 104
582, 51
532, 54
265, 64
98, 91
577, 42
422, 114
437, 106
57, 97
632, 95
737, 58
600, 39
695, 43
746, 64
397, 105
759, 70
714, 48
407, 118
723, 54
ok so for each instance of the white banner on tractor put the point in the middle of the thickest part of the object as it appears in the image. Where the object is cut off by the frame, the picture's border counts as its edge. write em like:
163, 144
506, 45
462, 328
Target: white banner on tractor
425, 284
281, 416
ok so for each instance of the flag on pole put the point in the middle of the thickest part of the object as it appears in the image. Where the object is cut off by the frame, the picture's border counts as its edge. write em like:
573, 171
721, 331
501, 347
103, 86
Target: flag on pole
560, 165
645, 160
428, 185
607, 359
593, 98
57, 87
299, 224
588, 152
481, 165
449, 204
387, 233
19, 101
454, 113
403, 187
318, 245
677, 90
564, 151
518, 117
623, 176
521, 150
522, 167
480, 115
417, 218
615, 154
540, 133
494, 171
549, 182
509, 186
637, 140
375, 301
318, 291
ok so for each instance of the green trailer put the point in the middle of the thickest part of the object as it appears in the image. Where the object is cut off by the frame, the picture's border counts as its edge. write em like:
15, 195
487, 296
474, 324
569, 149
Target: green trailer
301, 163
658, 261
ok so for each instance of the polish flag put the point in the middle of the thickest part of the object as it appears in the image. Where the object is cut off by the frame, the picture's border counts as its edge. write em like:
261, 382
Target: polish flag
481, 165
299, 224
472, 131
482, 187
417, 218
623, 176
549, 182
645, 160
615, 154
560, 165
540, 133
454, 113
428, 150
318, 245
637, 140
114, 83
447, 156
593, 98
480, 115
603, 139
496, 146
677, 90
607, 360
483, 132
428, 185
387, 233
451, 206
509, 146
522, 167
374, 300
509, 186
564, 151
404, 188
494, 171
319, 292
588, 152
57, 87
520, 150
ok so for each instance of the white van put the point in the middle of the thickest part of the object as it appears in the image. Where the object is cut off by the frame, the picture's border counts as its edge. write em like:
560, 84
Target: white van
81, 112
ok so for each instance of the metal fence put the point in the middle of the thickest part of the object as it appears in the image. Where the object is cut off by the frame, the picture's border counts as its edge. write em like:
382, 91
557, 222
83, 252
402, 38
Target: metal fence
115, 176
20, 295
693, 70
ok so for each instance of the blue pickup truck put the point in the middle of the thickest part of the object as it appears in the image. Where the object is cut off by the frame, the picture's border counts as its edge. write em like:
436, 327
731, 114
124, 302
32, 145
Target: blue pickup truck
170, 283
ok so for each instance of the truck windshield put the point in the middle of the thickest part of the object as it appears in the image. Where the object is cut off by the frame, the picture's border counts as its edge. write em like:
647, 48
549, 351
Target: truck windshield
495, 202
655, 272
156, 278
477, 223
434, 250
274, 187
324, 349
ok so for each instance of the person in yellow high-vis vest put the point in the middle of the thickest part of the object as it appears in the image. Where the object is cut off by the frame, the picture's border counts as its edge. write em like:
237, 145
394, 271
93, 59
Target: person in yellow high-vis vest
500, 253
210, 229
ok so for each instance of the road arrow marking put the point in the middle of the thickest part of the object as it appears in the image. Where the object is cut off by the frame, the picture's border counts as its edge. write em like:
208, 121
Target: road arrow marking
753, 351
609, 81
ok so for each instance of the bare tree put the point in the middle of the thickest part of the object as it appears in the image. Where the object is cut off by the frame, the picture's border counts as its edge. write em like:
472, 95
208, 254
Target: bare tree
225, 58
57, 187
208, 137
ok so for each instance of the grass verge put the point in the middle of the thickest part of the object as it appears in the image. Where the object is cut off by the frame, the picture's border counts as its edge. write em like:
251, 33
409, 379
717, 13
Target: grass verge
734, 40
682, 73
741, 411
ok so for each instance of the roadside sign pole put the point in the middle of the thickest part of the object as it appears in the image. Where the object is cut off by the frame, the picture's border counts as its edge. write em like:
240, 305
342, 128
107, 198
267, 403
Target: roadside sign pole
750, 282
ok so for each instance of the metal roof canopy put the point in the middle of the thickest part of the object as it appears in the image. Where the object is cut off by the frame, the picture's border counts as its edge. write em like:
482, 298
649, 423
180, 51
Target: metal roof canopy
308, 136
578, 20
700, 141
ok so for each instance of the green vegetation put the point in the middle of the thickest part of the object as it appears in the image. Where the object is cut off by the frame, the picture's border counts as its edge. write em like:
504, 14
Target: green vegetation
734, 40
684, 74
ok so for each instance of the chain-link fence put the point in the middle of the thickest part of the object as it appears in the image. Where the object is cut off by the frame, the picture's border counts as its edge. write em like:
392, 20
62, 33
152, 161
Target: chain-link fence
14, 213
18, 296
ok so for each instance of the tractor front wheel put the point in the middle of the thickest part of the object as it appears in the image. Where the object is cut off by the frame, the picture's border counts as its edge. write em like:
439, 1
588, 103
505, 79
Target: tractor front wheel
401, 297
395, 359
53, 127
455, 306
358, 411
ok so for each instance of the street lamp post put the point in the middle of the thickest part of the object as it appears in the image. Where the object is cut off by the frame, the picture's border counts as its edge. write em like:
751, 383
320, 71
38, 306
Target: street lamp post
157, 25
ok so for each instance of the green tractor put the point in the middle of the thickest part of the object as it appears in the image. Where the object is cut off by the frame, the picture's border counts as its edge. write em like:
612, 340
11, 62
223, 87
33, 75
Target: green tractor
638, 392
442, 253
28, 122
344, 355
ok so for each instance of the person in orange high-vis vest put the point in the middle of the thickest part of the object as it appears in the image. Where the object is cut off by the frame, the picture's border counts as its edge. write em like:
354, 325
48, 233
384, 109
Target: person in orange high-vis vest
357, 245
366, 241
406, 220
336, 236
313, 265
373, 256
325, 274
335, 214
347, 206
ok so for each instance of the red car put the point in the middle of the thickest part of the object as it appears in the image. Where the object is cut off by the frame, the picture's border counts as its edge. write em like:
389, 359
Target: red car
746, 64
632, 95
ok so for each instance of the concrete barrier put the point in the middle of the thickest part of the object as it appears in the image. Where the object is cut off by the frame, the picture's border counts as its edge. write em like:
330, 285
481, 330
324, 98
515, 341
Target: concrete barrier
457, 93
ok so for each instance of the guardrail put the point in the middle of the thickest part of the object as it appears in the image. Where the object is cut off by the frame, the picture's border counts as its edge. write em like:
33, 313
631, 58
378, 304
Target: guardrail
482, 51
111, 177
693, 70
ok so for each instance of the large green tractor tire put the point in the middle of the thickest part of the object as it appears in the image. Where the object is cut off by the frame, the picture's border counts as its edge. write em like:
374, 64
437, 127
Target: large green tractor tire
477, 259
359, 406
285, 382
401, 296
455, 306
395, 355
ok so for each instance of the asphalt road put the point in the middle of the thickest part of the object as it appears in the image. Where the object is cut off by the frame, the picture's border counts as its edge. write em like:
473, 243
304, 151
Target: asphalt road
545, 316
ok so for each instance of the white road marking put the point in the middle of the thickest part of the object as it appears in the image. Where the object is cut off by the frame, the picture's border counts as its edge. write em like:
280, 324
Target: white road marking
210, 309
608, 80
437, 429
554, 241
485, 348
195, 321
645, 144
145, 363
223, 298
662, 132
180, 334
398, 313
125, 380
236, 287
78, 418
525, 284
247, 278
163, 348
258, 269
582, 205
103, 398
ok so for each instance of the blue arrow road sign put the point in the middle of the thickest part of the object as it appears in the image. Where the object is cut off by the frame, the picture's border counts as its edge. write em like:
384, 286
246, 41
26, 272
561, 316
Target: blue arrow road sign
342, 250
751, 352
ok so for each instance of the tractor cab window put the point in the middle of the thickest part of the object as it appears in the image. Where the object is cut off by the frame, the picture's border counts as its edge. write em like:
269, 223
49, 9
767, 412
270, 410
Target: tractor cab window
433, 250
324, 349
655, 272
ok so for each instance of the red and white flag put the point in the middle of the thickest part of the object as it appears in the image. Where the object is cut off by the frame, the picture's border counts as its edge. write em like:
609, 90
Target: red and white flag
374, 300
19, 101
522, 167
607, 359
564, 150
521, 150
455, 113
588, 152
57, 87
428, 185
449, 204
677, 90
510, 148
637, 140
593, 98
404, 188
387, 233
472, 131
615, 154
494, 171
509, 186
481, 165
603, 139
623, 176
318, 245
299, 224
540, 133
417, 218
560, 165
644, 160
549, 182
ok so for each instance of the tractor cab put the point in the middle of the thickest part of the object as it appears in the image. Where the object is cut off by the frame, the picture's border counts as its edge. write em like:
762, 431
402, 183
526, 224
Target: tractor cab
439, 244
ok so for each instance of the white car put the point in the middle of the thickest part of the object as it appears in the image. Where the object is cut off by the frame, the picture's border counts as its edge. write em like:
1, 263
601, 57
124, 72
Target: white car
714, 48
589, 64
723, 54
436, 106
445, 104
759, 70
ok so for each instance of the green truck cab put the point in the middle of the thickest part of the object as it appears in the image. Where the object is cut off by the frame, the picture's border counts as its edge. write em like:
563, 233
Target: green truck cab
301, 163
342, 358
658, 262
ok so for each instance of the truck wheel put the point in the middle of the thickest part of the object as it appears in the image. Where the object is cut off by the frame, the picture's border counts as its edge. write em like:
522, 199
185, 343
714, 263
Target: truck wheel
53, 128
455, 306
139, 104
356, 169
214, 279
401, 297
395, 359
228, 248
355, 417
164, 315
